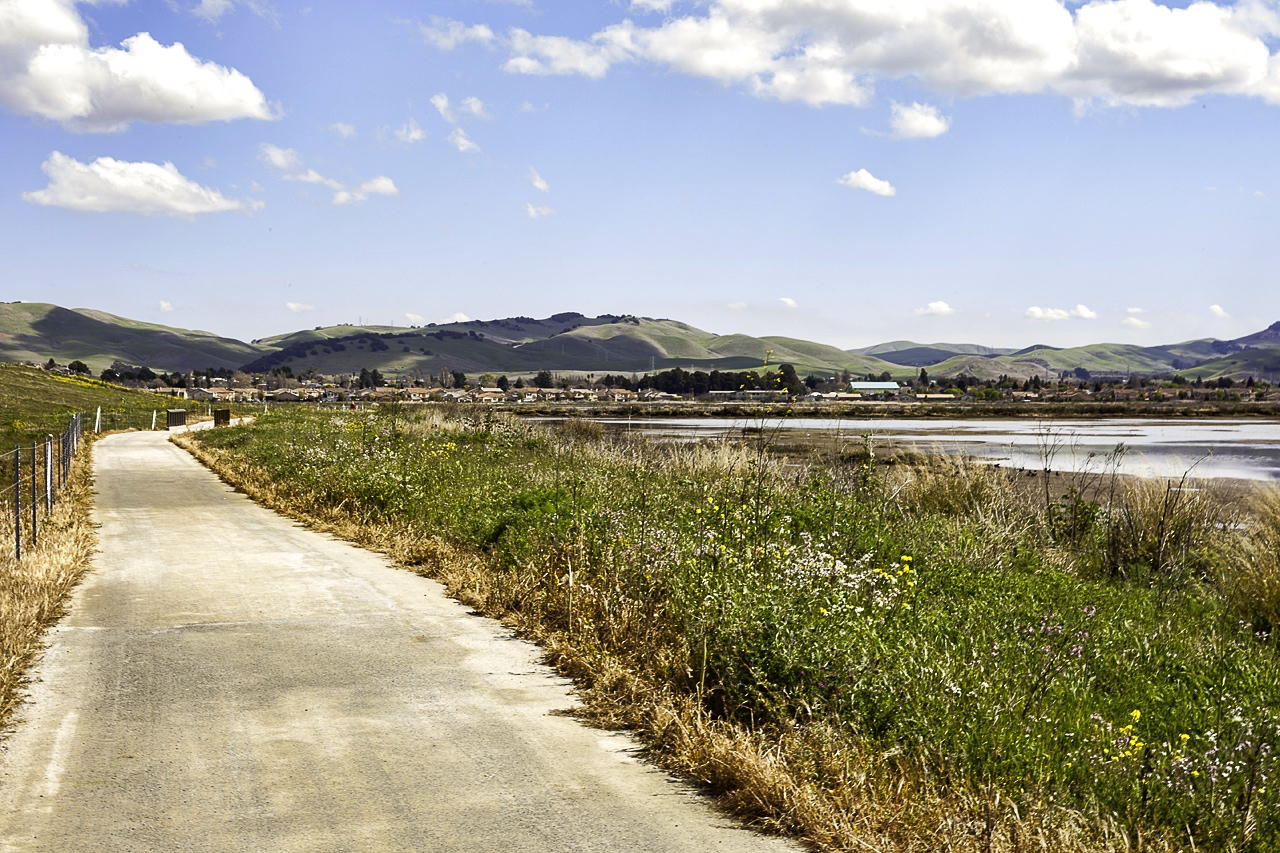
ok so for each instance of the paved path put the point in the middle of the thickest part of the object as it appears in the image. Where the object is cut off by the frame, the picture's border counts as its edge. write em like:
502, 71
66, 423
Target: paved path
227, 680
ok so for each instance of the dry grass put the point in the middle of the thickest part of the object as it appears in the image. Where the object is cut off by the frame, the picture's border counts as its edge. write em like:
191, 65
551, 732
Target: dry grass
34, 591
810, 782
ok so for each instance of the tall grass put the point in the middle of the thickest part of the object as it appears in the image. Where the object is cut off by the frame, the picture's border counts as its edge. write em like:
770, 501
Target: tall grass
937, 657
34, 590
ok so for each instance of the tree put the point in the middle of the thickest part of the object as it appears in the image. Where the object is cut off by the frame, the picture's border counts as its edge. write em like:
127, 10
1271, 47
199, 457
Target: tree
50, 364
503, 384
543, 379
78, 367
519, 383
109, 375
790, 381
459, 379
923, 381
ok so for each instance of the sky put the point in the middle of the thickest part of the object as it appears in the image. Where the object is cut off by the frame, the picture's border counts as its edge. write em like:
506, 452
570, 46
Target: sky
1005, 172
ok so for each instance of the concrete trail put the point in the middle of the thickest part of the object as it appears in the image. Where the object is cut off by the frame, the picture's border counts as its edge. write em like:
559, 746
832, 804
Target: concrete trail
227, 680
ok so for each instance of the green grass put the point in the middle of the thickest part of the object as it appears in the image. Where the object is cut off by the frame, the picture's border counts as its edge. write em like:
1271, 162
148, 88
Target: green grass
1088, 656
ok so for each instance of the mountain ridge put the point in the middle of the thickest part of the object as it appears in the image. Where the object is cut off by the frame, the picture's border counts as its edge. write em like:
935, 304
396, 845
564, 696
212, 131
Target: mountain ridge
573, 342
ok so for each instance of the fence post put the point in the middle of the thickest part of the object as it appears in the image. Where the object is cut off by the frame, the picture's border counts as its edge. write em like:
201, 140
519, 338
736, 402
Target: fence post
17, 502
35, 499
48, 475
153, 419
97, 421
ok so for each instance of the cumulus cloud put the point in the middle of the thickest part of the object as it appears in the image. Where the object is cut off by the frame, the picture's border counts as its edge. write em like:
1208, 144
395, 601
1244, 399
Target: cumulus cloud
165, 306
457, 317
49, 69
300, 307
1219, 312
737, 306
459, 139
537, 212
415, 319
917, 121
864, 180
108, 185
410, 132
538, 181
1082, 312
346, 131
787, 301
474, 107
1136, 52
939, 309
441, 102
287, 161
1135, 322
446, 33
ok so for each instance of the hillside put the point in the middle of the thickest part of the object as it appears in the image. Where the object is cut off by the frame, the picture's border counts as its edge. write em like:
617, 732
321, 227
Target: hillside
36, 331
35, 403
574, 343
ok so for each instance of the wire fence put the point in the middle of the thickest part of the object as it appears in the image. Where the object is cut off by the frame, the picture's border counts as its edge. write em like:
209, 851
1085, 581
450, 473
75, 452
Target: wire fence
39, 474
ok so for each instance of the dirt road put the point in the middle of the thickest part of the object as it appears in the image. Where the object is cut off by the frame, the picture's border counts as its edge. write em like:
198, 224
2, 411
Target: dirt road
227, 680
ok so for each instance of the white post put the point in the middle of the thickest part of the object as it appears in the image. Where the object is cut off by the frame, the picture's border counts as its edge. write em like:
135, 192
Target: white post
97, 421
48, 474
153, 418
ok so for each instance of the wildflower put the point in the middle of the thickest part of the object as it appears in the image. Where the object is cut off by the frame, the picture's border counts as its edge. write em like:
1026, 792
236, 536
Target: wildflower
1136, 715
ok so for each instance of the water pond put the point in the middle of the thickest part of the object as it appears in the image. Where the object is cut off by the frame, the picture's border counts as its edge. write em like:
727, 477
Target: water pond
1234, 449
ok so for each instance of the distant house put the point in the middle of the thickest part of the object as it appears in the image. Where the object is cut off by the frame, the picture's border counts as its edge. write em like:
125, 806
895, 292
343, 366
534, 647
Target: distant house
886, 389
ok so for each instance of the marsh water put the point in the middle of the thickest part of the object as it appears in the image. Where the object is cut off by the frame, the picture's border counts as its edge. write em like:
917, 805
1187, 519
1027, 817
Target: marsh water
1234, 449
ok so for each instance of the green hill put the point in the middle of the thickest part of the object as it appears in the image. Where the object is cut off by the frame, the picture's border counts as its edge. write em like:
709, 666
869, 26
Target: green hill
37, 332
574, 343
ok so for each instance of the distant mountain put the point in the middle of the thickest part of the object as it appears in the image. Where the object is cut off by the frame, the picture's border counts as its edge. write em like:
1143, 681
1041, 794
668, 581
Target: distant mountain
36, 331
573, 342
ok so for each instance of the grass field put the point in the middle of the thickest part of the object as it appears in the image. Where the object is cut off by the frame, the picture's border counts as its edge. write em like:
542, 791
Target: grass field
916, 658
33, 591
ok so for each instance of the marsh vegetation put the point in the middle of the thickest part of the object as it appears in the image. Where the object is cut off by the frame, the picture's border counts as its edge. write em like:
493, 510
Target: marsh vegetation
920, 656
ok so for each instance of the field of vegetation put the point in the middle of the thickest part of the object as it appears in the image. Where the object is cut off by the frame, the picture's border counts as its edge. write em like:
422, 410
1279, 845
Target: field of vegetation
33, 591
929, 656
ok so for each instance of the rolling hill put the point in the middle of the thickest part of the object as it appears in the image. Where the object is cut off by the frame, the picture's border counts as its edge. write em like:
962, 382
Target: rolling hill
36, 331
574, 343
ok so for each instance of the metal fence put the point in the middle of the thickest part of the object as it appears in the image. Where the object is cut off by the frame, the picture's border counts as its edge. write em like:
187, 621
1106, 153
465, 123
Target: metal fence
39, 475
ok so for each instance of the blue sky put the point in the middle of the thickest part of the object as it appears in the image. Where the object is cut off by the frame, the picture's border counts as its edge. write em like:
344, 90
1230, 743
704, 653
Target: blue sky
1006, 172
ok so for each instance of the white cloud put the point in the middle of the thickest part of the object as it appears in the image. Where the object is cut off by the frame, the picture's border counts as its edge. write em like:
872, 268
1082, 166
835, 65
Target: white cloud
940, 309
165, 306
441, 102
787, 301
537, 212
447, 34
475, 107
108, 185
1135, 323
457, 317
917, 121
346, 131
48, 69
1219, 312
864, 180
737, 306
415, 319
213, 10
538, 181
410, 132
300, 307
1082, 312
287, 161
1135, 310
459, 140
1136, 52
